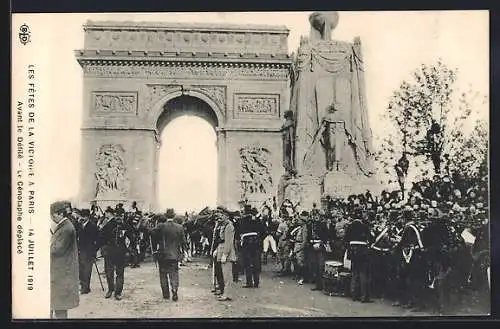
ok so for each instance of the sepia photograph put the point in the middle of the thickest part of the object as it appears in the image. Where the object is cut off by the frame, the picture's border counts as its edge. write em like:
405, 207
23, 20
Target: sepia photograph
250, 164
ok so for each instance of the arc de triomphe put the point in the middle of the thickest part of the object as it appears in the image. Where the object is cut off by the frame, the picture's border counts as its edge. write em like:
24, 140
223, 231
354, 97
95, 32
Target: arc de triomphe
138, 76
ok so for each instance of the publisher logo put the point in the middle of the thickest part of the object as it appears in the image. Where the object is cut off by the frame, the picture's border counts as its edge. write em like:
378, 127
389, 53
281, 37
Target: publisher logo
24, 34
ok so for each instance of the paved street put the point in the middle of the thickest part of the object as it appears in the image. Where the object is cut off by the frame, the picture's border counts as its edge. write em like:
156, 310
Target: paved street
277, 297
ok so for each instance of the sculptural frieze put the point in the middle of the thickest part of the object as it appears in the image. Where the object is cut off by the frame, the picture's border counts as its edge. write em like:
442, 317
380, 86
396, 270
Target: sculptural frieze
154, 92
187, 72
110, 172
114, 102
216, 93
256, 169
250, 105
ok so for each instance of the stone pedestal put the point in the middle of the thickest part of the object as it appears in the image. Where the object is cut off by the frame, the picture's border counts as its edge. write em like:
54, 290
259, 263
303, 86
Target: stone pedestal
305, 190
341, 184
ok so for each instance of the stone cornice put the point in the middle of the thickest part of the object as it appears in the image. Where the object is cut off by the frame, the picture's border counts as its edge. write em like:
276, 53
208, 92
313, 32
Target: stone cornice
201, 61
181, 27
153, 130
126, 55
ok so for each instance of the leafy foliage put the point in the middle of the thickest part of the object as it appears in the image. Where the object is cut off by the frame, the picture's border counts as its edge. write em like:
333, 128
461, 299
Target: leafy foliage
427, 101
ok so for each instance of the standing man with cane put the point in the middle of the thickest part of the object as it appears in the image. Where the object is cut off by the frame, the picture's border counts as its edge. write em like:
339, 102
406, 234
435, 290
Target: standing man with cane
88, 234
225, 254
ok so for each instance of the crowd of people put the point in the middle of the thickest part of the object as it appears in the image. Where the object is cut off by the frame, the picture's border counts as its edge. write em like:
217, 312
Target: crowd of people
434, 239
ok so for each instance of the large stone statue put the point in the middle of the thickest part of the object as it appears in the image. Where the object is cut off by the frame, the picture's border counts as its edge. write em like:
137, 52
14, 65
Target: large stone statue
322, 24
288, 134
333, 135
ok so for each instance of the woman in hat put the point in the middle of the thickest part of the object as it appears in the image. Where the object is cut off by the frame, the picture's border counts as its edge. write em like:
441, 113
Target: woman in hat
64, 280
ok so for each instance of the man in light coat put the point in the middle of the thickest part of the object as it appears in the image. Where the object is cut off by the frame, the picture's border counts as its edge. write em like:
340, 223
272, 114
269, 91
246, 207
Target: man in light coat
64, 278
225, 254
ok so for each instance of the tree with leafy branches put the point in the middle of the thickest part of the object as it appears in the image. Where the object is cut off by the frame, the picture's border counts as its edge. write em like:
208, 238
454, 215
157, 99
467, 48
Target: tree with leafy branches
429, 118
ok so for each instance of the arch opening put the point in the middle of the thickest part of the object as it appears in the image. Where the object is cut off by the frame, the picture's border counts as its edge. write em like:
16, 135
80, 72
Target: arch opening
187, 161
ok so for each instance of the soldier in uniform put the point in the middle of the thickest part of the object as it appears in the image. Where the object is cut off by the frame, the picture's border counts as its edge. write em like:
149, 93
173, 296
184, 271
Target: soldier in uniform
112, 232
119, 211
133, 208
270, 226
170, 239
358, 237
283, 250
251, 236
133, 235
298, 239
316, 242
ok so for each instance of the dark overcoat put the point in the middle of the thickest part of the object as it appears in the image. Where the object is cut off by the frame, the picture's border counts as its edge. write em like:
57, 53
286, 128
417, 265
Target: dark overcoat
170, 239
64, 280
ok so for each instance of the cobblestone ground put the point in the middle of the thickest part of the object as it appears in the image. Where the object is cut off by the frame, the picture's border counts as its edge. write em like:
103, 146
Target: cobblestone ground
277, 297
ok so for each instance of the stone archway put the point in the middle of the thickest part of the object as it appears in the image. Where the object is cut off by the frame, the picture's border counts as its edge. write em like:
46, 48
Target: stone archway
132, 70
177, 107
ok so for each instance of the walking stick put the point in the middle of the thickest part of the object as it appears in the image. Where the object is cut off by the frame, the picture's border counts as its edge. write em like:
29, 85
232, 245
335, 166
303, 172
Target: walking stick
98, 274
152, 251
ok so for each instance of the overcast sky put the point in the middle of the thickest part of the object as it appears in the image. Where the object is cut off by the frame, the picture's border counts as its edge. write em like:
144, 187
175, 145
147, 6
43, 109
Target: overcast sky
394, 44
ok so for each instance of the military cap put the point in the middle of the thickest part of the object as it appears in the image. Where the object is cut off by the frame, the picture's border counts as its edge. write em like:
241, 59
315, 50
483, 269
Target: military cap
59, 206
110, 210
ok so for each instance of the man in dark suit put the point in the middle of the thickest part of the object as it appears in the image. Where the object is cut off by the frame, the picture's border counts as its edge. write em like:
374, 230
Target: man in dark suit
87, 233
112, 238
170, 242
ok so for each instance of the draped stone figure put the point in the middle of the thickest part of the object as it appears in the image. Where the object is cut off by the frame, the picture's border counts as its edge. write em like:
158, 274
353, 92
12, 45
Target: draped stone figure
333, 139
328, 96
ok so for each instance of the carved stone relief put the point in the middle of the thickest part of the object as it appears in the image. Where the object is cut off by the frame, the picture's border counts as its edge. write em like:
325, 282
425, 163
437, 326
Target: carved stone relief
111, 179
255, 105
256, 170
154, 93
216, 93
187, 72
114, 102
